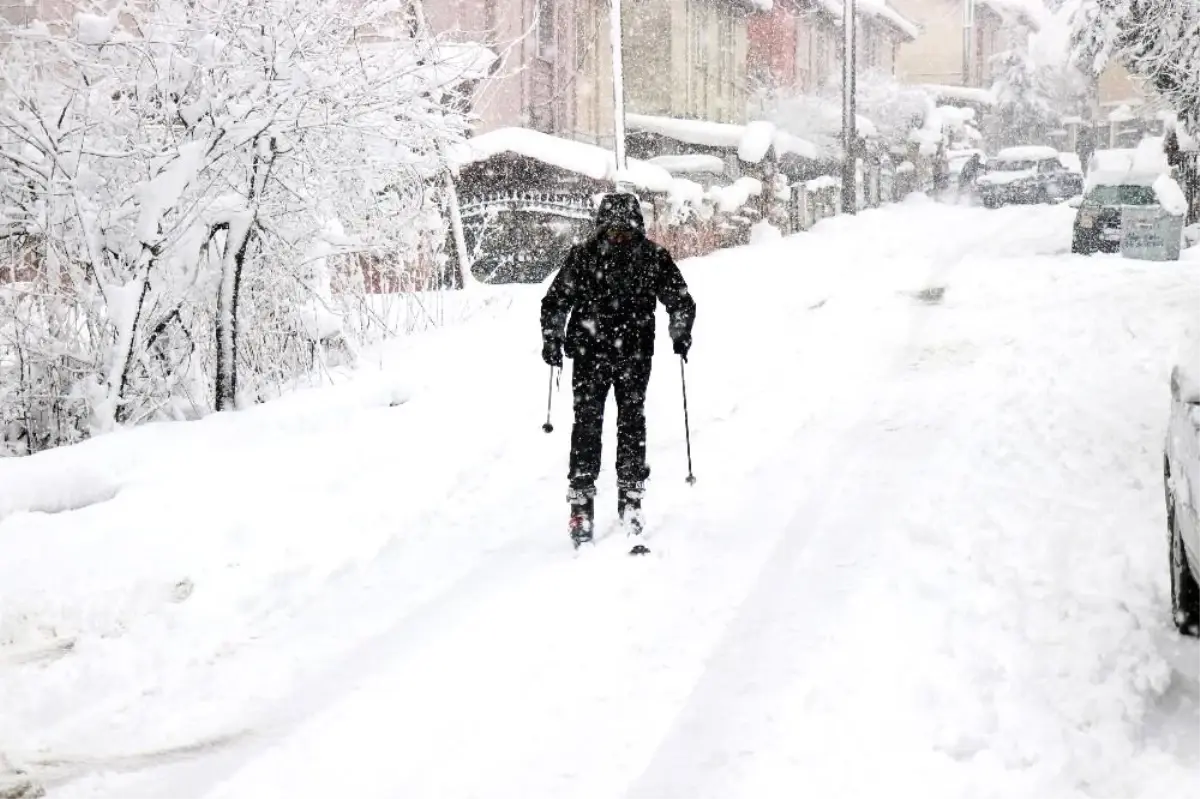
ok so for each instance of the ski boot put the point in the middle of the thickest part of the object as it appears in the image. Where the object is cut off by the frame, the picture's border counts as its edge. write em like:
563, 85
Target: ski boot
629, 508
583, 514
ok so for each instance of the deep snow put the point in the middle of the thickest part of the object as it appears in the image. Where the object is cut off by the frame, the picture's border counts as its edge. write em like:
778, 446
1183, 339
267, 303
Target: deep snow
925, 555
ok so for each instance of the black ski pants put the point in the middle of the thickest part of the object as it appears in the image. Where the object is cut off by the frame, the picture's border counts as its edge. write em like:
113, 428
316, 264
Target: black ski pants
592, 376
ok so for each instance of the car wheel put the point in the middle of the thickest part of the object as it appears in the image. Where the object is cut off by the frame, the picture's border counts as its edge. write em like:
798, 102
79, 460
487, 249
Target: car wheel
990, 202
1185, 593
1079, 247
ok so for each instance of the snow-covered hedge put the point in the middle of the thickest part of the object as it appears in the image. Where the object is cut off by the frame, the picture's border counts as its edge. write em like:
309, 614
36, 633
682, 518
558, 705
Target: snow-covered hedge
186, 184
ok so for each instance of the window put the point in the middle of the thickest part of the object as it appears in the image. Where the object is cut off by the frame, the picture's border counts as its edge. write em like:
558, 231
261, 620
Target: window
547, 49
1121, 195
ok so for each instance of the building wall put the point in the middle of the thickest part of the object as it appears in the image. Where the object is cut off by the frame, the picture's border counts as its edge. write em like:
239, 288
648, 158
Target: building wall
935, 56
771, 53
555, 75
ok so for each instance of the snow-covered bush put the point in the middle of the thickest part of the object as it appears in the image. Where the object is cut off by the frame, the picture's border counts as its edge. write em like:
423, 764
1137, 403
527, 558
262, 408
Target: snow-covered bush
188, 187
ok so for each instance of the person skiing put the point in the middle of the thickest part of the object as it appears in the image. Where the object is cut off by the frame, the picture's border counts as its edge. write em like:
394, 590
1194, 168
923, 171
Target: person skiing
600, 308
970, 173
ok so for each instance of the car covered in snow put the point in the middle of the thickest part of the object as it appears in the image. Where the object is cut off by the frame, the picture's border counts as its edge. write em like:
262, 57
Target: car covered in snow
1181, 473
1030, 174
1098, 220
1120, 179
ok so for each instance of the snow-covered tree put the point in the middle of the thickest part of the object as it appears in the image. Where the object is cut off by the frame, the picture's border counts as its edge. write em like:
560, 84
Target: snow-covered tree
887, 109
191, 187
1157, 39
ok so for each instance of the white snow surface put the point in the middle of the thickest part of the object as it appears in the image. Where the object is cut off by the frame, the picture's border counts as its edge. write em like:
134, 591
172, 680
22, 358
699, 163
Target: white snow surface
756, 141
925, 555
94, 29
595, 162
689, 163
752, 141
874, 8
1030, 152
1170, 196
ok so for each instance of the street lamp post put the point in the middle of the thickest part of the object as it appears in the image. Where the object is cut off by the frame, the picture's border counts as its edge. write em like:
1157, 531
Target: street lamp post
849, 137
618, 87
968, 27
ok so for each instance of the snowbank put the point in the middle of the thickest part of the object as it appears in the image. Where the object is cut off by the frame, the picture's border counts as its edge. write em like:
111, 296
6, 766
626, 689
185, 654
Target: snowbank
1170, 196
762, 232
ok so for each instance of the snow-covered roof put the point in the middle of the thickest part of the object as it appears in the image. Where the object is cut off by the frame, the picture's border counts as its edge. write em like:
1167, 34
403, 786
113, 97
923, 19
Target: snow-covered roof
1031, 152
689, 163
692, 131
966, 94
879, 9
1140, 166
752, 142
1026, 12
573, 156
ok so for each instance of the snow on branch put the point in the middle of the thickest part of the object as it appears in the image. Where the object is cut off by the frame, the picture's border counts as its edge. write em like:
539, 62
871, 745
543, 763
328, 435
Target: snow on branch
170, 179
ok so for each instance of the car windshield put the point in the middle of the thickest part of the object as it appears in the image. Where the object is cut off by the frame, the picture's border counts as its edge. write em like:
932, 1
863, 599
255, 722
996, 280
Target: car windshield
1010, 165
1121, 195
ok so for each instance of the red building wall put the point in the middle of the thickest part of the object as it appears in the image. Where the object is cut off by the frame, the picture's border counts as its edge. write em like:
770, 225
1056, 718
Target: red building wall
772, 46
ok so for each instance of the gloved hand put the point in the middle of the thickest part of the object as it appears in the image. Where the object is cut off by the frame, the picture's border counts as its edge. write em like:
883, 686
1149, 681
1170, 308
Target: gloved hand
552, 353
682, 345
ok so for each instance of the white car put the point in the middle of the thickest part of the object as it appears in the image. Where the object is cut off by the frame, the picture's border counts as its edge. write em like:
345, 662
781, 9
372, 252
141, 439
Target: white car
1182, 479
1032, 174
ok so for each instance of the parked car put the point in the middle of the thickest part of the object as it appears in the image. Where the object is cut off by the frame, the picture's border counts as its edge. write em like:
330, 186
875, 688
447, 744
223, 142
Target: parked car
1098, 221
1181, 475
1027, 175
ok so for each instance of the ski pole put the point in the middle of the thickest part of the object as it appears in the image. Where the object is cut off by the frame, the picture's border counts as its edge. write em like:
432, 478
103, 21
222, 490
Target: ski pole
687, 431
547, 427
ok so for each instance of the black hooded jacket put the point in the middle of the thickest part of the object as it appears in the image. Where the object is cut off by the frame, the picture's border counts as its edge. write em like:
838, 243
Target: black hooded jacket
605, 295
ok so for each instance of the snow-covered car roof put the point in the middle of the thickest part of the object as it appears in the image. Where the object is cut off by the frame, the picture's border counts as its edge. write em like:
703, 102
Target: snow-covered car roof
1031, 152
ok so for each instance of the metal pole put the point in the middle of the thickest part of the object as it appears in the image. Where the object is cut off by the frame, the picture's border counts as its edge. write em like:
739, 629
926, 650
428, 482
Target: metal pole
968, 26
456, 226
849, 161
618, 85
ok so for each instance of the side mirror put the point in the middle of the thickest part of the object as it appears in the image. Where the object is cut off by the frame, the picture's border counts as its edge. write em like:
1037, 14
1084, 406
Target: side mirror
1075, 201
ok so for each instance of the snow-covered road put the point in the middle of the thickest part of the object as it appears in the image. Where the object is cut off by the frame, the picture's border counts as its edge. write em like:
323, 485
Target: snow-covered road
925, 554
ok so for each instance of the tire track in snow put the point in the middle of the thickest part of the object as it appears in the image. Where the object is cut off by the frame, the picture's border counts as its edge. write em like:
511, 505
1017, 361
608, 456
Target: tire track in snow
791, 616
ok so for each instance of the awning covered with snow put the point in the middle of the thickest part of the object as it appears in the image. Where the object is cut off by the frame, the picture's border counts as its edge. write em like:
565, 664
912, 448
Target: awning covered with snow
877, 9
585, 159
752, 142
961, 94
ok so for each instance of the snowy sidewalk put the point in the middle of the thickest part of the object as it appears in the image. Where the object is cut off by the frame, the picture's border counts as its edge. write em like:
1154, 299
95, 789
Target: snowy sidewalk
925, 553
